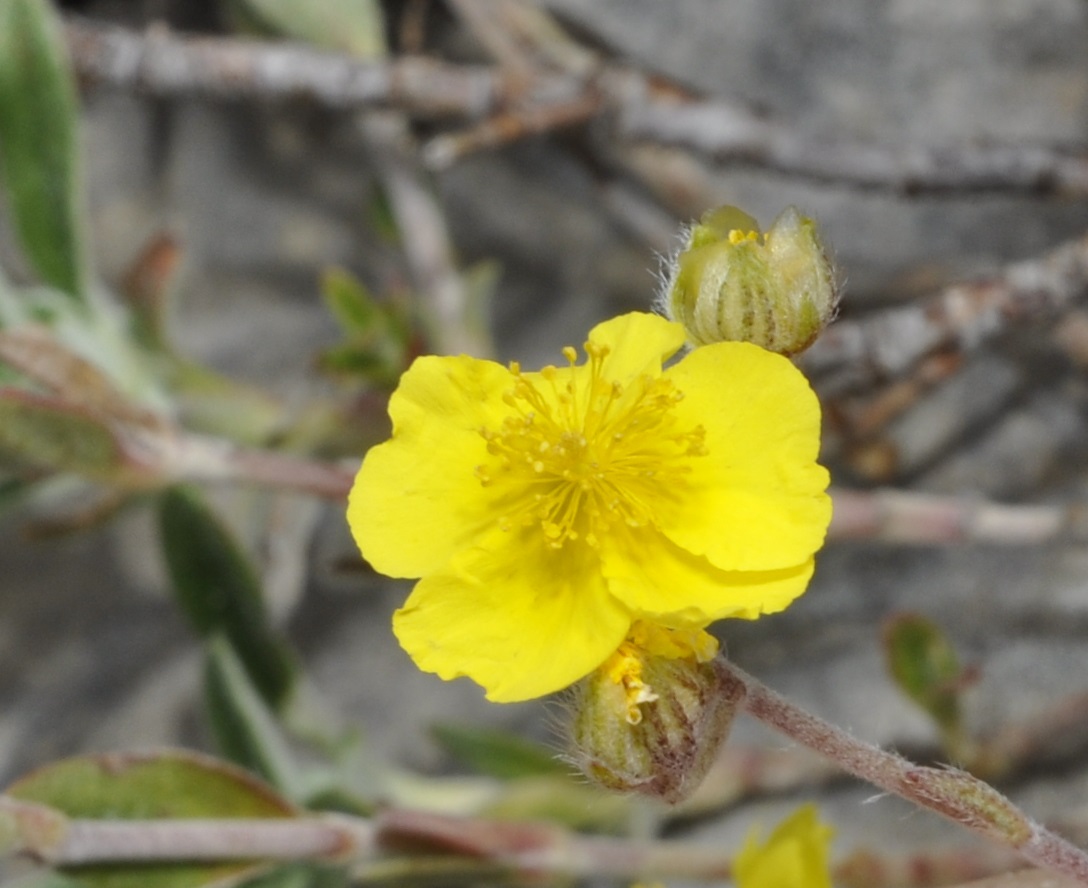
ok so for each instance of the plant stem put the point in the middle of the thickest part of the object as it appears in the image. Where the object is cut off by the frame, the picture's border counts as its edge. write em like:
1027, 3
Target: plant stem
950, 792
101, 841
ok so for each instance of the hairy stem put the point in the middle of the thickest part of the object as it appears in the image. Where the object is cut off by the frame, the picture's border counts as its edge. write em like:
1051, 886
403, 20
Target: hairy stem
950, 792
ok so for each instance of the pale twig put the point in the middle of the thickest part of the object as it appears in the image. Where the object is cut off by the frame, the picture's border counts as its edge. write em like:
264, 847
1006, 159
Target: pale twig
728, 131
159, 63
424, 239
180, 456
446, 149
486, 21
961, 317
528, 45
946, 791
522, 35
322, 838
525, 848
911, 518
647, 109
858, 417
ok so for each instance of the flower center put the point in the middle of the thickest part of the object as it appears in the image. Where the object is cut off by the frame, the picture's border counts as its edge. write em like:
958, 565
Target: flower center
580, 453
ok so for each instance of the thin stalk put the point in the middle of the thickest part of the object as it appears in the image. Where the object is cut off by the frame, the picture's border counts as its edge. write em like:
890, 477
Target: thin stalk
129, 841
952, 793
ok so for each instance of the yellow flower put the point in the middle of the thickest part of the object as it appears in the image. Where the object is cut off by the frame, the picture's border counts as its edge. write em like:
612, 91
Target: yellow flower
546, 512
795, 856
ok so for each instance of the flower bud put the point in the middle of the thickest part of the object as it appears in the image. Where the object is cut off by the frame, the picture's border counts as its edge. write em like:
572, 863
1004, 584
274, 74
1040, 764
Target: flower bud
733, 282
651, 719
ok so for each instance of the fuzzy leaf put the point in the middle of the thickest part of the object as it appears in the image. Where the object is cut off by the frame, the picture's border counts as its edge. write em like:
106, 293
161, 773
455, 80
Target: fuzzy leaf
497, 753
924, 664
39, 154
218, 589
246, 730
158, 785
48, 433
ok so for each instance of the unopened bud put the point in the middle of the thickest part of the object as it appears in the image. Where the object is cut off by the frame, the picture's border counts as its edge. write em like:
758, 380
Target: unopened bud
652, 718
732, 282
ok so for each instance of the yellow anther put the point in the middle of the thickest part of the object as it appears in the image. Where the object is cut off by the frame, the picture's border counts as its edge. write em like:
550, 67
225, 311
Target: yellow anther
736, 236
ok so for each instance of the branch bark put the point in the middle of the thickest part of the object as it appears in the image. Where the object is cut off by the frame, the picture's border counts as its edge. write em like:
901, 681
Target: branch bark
729, 132
647, 108
961, 317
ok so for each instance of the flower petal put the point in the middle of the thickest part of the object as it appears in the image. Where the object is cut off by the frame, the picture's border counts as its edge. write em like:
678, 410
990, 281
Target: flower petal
637, 343
795, 856
516, 617
757, 500
416, 500
661, 582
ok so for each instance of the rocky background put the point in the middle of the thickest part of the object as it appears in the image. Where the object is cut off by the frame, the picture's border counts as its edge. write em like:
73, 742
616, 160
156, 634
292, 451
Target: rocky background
264, 196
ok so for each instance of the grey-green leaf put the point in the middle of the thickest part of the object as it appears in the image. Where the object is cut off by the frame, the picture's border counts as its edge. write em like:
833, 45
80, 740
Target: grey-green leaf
301, 875
245, 728
39, 152
498, 753
164, 784
219, 591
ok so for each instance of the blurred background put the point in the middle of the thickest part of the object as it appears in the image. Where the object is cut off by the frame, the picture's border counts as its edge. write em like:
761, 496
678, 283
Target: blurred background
942, 147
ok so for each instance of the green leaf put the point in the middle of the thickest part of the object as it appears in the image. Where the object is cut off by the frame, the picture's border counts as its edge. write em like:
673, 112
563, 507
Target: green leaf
354, 26
159, 785
244, 727
300, 875
497, 753
44, 879
349, 301
221, 406
13, 491
565, 801
924, 664
39, 153
218, 589
481, 282
47, 433
379, 335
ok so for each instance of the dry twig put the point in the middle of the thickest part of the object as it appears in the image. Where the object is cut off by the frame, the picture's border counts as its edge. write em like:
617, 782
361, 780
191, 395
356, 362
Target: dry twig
728, 131
159, 63
961, 317
646, 108
904, 517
